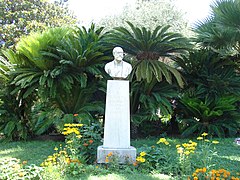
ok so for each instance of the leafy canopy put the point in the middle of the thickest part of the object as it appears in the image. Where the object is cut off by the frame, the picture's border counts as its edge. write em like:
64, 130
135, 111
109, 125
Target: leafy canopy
20, 17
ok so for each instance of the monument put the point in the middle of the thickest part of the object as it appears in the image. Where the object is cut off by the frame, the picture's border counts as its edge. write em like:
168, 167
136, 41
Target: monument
116, 139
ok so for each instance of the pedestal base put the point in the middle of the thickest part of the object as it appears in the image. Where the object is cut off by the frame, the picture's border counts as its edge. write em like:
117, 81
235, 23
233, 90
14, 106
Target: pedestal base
122, 155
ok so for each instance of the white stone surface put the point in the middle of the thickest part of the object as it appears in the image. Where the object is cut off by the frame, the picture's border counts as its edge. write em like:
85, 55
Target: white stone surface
123, 155
117, 115
118, 68
117, 124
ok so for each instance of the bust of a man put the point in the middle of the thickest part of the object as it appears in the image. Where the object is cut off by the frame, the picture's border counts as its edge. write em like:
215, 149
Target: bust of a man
118, 69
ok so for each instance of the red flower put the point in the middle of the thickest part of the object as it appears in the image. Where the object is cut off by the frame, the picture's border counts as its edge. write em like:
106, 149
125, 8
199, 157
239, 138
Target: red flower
90, 141
75, 115
85, 144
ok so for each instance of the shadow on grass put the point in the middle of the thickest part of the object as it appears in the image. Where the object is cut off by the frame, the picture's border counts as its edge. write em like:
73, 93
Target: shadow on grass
35, 152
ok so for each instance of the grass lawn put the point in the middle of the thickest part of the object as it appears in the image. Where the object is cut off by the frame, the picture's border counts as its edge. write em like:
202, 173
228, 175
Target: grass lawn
35, 152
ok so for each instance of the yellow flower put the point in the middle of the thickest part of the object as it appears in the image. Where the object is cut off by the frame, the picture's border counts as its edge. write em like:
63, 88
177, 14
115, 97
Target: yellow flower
194, 174
215, 142
187, 152
161, 140
110, 154
21, 174
206, 140
194, 143
69, 142
185, 145
204, 169
166, 143
143, 154
64, 133
204, 134
199, 138
180, 150
143, 160
55, 149
140, 159
79, 136
178, 146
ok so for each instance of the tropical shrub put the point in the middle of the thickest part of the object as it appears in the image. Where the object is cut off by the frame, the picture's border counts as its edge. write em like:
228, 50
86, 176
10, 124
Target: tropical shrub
67, 66
14, 109
61, 66
209, 102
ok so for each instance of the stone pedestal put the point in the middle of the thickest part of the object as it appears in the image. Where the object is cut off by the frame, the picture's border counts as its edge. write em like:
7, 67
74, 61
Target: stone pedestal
117, 124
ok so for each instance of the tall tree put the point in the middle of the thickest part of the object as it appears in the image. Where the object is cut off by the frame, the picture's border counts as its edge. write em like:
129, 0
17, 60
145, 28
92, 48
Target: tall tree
149, 14
20, 17
221, 30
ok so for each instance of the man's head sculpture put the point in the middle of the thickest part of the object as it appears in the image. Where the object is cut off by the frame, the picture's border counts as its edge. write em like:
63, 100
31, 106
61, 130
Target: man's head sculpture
118, 69
118, 54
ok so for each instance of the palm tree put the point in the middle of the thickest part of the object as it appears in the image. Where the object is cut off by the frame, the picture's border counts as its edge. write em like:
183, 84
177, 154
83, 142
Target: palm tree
149, 49
220, 31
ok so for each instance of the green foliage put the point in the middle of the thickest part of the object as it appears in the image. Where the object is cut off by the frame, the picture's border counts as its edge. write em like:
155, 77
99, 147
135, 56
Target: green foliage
221, 30
19, 18
14, 110
150, 75
91, 138
149, 48
63, 58
149, 14
149, 103
209, 101
225, 155
61, 66
157, 157
217, 117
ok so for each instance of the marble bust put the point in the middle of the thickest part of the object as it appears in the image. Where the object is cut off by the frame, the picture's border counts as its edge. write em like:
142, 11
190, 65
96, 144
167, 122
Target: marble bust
118, 69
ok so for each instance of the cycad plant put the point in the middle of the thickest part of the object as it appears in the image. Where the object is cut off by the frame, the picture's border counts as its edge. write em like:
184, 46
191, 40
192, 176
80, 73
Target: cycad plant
14, 109
149, 49
209, 102
60, 65
151, 79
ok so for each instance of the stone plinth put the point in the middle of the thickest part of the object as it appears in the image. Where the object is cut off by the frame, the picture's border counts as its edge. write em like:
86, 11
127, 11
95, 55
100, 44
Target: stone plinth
124, 155
117, 123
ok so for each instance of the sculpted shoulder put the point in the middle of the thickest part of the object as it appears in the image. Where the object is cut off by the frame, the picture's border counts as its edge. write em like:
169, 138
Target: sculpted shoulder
118, 68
